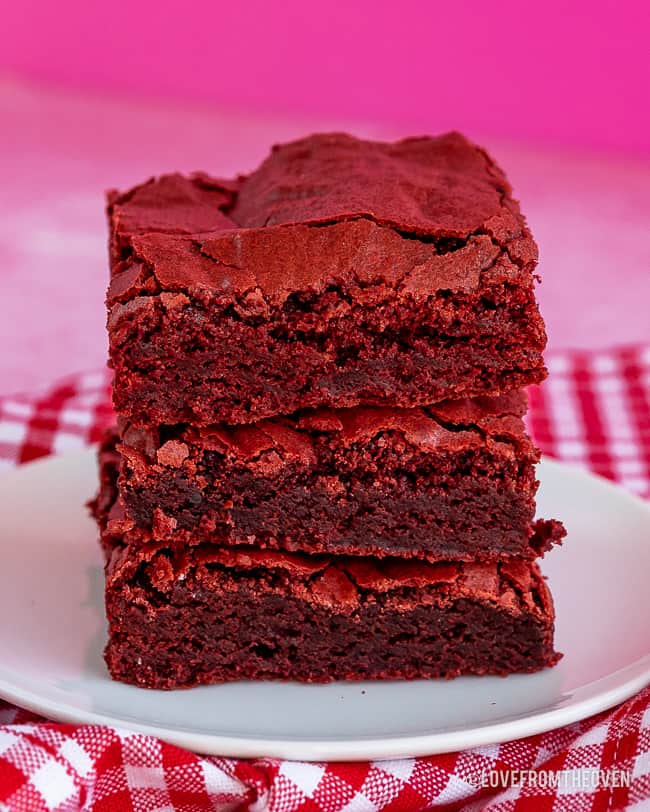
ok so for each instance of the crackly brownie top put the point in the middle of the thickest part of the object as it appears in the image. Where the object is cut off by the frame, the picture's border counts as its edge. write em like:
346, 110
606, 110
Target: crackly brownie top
423, 214
340, 583
442, 187
450, 426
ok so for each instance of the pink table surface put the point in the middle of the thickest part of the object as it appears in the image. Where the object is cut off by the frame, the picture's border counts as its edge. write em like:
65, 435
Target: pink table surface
59, 150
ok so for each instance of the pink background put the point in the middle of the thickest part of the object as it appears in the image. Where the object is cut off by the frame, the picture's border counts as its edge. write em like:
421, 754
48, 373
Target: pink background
567, 71
98, 95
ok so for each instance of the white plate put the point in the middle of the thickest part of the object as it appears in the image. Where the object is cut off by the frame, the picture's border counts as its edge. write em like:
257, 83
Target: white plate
53, 631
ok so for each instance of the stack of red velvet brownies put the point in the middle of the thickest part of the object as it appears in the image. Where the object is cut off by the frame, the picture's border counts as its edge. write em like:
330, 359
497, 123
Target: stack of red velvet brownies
320, 469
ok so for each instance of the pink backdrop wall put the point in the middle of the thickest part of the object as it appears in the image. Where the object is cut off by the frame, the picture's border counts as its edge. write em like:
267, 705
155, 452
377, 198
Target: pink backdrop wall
564, 71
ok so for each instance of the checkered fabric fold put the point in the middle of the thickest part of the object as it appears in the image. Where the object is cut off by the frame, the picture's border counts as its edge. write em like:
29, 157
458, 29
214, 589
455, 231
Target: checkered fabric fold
593, 411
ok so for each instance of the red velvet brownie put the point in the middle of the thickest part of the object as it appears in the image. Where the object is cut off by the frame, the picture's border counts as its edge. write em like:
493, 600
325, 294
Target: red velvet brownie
205, 614
453, 480
341, 272
214, 615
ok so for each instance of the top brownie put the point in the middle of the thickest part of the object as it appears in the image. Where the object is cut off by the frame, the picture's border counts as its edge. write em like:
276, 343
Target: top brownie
341, 272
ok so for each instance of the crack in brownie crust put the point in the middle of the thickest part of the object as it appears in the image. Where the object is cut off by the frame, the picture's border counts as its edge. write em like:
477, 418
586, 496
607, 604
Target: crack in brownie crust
338, 272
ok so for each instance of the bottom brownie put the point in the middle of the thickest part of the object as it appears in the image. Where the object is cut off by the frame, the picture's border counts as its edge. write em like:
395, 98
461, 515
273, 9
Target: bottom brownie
214, 615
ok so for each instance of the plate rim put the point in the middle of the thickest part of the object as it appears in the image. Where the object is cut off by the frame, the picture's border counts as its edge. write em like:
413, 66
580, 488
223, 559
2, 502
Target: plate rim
373, 748
635, 677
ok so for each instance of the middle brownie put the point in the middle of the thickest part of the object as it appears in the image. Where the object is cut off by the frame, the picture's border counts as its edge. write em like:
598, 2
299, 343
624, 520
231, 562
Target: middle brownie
454, 480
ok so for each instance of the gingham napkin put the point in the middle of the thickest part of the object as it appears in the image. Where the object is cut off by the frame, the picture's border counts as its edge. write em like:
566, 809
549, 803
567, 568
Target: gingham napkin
594, 411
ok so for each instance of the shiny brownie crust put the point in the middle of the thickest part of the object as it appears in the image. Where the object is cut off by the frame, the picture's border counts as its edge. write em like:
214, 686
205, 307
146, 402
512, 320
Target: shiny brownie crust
455, 480
341, 272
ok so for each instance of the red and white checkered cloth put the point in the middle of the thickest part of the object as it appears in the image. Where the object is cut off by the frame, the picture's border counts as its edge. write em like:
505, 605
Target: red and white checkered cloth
595, 411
